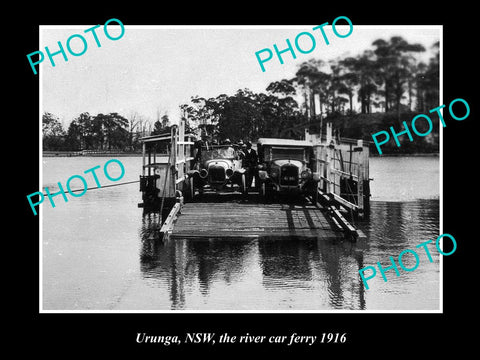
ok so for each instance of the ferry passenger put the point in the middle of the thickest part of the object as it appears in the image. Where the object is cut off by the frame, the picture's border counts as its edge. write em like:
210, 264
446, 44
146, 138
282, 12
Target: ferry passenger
197, 151
241, 150
251, 164
228, 152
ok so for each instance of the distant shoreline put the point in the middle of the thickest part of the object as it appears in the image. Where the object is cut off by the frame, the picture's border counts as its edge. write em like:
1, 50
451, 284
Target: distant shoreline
405, 154
88, 154
137, 154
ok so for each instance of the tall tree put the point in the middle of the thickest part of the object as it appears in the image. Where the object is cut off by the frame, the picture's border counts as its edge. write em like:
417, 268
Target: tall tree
157, 128
51, 125
336, 87
348, 82
283, 88
115, 127
428, 82
81, 132
363, 66
313, 81
110, 131
134, 123
280, 110
393, 59
52, 132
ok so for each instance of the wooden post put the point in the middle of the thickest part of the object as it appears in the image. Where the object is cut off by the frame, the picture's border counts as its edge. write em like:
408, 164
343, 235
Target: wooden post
360, 180
329, 133
319, 165
173, 158
328, 163
149, 161
143, 158
181, 152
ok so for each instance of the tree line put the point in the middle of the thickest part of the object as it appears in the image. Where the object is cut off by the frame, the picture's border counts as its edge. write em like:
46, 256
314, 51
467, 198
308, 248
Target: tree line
386, 79
360, 94
99, 132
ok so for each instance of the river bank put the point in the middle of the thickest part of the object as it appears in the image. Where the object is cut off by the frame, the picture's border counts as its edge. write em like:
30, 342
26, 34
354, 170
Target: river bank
119, 154
404, 155
88, 153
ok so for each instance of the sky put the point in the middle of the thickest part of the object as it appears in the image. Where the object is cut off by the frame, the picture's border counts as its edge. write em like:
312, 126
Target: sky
152, 70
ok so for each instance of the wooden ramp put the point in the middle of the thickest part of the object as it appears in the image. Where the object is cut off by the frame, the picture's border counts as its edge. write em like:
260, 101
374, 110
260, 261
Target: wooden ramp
248, 219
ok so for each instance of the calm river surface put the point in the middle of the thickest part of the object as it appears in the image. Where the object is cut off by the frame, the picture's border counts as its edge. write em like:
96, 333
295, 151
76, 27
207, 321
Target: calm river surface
98, 252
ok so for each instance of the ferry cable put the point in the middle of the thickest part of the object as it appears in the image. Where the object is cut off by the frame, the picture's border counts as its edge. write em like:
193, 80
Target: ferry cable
100, 187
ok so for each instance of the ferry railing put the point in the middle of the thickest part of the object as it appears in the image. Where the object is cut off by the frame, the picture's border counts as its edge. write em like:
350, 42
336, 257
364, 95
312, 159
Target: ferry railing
344, 170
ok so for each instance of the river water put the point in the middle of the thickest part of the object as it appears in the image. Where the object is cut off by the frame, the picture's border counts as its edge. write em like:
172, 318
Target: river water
99, 252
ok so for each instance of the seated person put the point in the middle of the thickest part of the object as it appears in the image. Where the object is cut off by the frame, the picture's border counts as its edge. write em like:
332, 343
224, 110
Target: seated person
227, 151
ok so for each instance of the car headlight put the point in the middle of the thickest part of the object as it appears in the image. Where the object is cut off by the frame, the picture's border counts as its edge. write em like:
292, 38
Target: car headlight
229, 172
262, 175
274, 172
203, 173
306, 174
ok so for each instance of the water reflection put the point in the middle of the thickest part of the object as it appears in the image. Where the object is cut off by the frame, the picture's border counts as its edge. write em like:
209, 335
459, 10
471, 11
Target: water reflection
399, 225
340, 262
310, 274
213, 260
323, 269
184, 264
286, 260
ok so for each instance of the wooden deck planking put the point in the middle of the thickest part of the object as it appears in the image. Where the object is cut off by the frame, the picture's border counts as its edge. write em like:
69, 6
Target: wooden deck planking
252, 220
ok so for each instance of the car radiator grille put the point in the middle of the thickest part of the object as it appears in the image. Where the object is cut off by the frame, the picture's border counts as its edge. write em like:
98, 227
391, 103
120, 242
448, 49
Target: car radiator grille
216, 174
289, 175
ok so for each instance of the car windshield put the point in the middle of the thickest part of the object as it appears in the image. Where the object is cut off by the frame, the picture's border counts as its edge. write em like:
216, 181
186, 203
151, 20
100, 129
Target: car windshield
284, 153
218, 152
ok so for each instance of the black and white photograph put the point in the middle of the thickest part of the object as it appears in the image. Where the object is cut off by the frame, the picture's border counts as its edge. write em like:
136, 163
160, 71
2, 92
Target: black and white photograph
240, 183
217, 180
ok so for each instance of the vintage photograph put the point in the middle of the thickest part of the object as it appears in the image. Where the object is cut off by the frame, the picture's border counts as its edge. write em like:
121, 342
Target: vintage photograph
240, 168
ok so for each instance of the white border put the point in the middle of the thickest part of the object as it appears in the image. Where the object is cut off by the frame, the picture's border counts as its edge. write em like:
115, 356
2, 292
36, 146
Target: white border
441, 168
400, 27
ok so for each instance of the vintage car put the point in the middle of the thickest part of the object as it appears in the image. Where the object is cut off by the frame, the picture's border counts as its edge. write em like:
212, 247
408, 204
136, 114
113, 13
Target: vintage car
218, 167
285, 166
